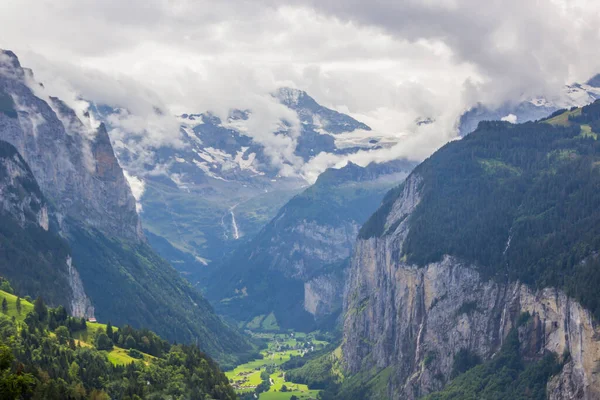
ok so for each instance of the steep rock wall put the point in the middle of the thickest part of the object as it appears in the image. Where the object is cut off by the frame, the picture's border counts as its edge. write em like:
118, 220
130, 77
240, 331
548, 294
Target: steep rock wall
397, 315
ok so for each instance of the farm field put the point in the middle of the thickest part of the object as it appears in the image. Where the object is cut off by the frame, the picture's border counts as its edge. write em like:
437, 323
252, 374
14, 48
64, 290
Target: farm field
280, 348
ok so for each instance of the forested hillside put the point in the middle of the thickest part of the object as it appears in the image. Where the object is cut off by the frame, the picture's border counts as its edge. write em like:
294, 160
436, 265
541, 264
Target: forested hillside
519, 201
47, 354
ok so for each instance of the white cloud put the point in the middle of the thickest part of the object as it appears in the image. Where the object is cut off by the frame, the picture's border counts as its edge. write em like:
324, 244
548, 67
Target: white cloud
138, 186
512, 118
385, 63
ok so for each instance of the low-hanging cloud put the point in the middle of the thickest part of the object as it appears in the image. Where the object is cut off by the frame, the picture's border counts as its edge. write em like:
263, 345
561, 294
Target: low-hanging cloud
385, 63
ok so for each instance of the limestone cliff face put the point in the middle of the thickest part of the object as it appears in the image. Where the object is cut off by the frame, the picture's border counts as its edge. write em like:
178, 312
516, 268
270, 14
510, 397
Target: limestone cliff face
72, 161
74, 165
80, 305
301, 253
397, 314
22, 201
322, 294
297, 264
313, 254
20, 197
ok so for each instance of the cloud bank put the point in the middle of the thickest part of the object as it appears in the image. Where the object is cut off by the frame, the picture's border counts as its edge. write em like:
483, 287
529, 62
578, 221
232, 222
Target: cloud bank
385, 63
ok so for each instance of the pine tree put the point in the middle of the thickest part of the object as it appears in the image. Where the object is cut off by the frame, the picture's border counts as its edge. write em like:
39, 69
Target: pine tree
109, 331
19, 305
40, 309
130, 342
4, 305
103, 342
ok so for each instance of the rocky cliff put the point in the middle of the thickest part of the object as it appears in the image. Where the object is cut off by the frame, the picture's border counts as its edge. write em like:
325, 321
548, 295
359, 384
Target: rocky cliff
302, 255
71, 159
30, 247
397, 315
491, 230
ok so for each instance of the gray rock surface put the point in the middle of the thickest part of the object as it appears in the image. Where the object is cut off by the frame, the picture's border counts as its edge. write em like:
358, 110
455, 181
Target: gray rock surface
71, 160
397, 314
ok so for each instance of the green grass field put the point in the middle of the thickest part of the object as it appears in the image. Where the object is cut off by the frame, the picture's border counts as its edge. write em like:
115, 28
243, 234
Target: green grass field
563, 119
91, 329
586, 132
11, 299
119, 356
246, 377
311, 394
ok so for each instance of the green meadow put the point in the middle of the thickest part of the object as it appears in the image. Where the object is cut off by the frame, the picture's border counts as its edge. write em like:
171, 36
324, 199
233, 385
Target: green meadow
11, 299
280, 348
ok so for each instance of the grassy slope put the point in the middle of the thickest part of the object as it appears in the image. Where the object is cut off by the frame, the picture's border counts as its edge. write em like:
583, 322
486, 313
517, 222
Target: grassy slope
11, 299
116, 356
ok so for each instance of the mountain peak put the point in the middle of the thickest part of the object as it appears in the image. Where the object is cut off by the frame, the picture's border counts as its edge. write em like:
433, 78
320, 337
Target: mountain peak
594, 81
290, 97
10, 65
9, 58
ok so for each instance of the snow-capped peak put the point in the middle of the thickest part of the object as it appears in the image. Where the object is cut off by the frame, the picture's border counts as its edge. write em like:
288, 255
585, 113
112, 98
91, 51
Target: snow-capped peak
289, 96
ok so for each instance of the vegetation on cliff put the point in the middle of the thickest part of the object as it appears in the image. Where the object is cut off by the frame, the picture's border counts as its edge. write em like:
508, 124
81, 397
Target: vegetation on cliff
518, 201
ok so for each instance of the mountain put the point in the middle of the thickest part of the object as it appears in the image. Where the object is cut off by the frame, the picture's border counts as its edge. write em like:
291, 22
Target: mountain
91, 228
488, 252
291, 274
71, 161
575, 95
215, 191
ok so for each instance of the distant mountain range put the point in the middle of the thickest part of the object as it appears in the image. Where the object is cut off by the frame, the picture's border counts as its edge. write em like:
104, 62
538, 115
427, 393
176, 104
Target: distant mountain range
575, 95
219, 188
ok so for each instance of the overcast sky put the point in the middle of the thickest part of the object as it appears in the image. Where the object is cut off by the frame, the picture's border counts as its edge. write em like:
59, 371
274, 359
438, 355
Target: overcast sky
386, 62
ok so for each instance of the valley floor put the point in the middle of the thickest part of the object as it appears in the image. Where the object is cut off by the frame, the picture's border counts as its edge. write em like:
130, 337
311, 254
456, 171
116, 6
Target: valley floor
281, 347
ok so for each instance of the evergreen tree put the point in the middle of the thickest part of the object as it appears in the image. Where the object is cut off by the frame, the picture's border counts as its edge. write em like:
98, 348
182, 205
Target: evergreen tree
130, 342
62, 334
109, 331
40, 309
19, 305
4, 305
103, 342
